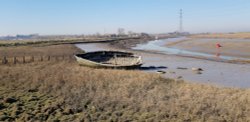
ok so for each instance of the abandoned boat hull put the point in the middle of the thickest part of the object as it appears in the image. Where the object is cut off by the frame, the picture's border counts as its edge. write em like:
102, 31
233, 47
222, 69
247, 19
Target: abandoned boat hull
111, 59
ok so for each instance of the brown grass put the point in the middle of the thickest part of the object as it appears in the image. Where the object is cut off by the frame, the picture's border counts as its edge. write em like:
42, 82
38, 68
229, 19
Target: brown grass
245, 35
58, 41
37, 52
102, 94
53, 91
52, 50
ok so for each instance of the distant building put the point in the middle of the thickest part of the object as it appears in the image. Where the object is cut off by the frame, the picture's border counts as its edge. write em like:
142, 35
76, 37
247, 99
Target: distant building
144, 35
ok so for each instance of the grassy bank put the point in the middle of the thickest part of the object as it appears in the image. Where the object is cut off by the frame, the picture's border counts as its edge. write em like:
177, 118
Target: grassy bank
64, 91
55, 52
13, 43
245, 35
66, 49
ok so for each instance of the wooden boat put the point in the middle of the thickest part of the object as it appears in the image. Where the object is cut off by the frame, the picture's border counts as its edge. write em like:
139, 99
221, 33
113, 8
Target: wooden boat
109, 59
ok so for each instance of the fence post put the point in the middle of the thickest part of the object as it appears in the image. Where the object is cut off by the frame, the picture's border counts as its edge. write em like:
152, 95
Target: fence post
41, 58
24, 59
48, 58
32, 59
14, 60
4, 60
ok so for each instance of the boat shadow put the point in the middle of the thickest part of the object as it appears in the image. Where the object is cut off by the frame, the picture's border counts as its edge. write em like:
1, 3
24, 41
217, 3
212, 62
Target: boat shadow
146, 68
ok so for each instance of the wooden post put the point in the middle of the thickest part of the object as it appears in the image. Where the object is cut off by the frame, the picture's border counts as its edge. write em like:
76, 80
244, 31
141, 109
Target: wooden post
56, 58
48, 58
14, 60
63, 57
41, 58
32, 59
24, 60
4, 60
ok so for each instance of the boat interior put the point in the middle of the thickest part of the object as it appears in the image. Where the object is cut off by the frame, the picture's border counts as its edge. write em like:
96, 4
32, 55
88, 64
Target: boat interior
112, 57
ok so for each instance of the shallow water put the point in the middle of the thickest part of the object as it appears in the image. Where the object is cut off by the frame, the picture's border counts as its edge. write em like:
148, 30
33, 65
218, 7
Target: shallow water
216, 73
159, 46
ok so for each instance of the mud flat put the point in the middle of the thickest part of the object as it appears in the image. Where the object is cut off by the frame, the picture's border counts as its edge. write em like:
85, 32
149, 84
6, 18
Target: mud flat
230, 47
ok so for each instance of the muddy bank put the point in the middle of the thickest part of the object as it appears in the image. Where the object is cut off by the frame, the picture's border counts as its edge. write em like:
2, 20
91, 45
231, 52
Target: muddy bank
230, 47
127, 43
159, 46
240, 35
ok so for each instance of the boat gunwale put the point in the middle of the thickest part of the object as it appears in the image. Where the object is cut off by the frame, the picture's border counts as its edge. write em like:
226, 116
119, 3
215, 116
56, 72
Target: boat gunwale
98, 64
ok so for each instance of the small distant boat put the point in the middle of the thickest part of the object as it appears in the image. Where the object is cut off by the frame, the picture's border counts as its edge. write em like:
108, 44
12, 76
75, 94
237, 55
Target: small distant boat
109, 59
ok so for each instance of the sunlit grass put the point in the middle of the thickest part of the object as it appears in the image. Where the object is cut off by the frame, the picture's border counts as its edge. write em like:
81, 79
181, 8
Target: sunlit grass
53, 91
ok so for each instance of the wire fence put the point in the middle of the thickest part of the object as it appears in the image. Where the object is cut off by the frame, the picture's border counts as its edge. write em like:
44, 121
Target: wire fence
29, 59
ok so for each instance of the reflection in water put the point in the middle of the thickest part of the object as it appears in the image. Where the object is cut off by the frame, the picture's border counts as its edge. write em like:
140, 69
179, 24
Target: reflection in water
217, 54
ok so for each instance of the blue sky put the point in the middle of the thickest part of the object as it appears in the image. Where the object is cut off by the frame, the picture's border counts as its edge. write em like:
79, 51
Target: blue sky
48, 17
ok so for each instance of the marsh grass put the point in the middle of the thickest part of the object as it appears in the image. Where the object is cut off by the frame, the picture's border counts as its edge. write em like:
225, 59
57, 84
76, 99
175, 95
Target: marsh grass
58, 41
65, 91
105, 94
38, 53
11, 43
52, 50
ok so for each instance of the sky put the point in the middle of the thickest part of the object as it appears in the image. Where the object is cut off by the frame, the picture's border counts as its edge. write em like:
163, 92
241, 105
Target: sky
53, 17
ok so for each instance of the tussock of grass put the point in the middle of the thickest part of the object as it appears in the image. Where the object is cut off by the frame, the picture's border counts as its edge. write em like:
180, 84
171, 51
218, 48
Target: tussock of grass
66, 91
